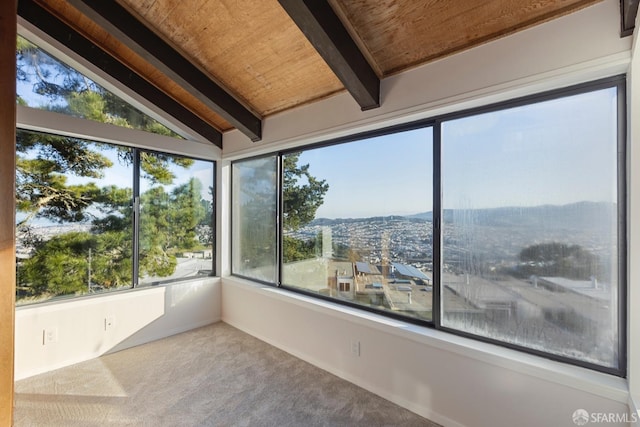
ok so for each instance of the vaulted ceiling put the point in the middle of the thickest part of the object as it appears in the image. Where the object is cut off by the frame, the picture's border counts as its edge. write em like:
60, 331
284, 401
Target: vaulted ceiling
224, 64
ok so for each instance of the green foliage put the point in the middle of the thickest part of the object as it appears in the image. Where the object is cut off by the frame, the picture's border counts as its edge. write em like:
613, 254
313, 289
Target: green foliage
298, 249
67, 155
302, 193
77, 263
206, 227
169, 220
112, 259
41, 179
168, 226
558, 259
69, 92
60, 265
154, 166
341, 251
44, 163
155, 261
186, 213
88, 104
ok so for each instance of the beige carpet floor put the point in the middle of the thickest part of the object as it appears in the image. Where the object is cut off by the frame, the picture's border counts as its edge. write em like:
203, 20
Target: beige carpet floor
211, 376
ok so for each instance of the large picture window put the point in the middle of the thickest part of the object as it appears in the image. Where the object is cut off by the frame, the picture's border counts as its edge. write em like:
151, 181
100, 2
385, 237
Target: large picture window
502, 224
357, 222
530, 215
76, 210
91, 216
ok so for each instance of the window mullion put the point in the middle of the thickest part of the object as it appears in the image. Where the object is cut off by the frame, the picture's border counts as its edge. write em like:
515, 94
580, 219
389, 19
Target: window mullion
279, 220
136, 217
436, 240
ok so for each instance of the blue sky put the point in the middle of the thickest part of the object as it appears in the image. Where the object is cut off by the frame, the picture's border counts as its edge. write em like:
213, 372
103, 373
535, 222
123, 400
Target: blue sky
380, 176
556, 152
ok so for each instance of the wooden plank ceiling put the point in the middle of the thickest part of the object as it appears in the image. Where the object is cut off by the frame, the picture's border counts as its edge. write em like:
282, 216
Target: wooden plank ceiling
273, 55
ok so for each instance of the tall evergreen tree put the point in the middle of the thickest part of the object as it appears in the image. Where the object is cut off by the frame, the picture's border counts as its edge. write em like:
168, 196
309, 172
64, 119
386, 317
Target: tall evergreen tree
302, 195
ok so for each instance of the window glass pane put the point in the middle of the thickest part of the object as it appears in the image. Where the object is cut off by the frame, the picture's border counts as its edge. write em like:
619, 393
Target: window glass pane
530, 226
254, 218
358, 222
176, 214
46, 83
73, 202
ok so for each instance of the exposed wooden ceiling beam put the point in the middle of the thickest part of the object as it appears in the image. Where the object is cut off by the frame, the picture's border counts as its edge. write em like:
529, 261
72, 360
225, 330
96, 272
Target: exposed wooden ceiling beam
128, 30
35, 14
329, 37
628, 12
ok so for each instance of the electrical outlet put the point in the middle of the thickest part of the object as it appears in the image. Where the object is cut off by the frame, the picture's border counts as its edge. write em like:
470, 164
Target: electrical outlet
109, 322
355, 348
49, 336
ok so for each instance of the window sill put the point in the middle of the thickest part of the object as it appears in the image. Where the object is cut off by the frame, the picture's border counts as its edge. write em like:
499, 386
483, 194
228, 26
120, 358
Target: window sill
583, 379
113, 294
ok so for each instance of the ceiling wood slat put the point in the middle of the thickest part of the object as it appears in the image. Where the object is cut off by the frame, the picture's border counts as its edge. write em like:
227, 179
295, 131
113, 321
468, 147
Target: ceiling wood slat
628, 11
402, 34
38, 16
128, 30
323, 28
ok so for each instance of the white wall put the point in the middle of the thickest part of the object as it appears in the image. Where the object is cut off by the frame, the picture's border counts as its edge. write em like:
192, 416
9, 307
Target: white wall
448, 379
138, 316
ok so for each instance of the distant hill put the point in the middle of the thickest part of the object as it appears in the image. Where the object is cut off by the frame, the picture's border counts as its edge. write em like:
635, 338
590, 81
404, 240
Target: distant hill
425, 216
581, 215
328, 221
578, 216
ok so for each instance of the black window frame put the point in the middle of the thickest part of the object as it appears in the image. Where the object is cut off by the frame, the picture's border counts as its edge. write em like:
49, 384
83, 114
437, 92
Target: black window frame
617, 81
